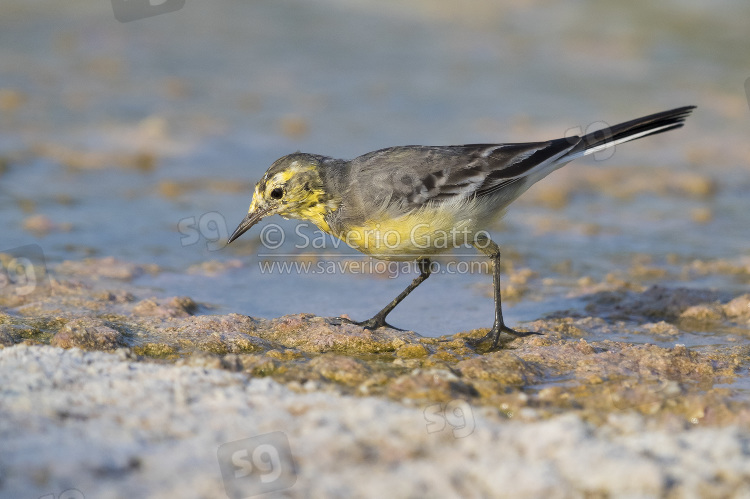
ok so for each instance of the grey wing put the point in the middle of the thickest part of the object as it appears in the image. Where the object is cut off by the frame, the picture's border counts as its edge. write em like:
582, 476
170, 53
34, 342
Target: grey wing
414, 175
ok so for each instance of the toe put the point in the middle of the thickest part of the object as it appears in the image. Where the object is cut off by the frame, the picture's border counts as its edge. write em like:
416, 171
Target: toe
338, 321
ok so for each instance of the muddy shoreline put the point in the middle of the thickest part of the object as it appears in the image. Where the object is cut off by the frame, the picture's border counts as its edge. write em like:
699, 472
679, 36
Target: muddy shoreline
91, 350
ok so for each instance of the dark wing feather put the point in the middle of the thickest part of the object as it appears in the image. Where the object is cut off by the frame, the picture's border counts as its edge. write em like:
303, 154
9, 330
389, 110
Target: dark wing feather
415, 175
411, 176
519, 160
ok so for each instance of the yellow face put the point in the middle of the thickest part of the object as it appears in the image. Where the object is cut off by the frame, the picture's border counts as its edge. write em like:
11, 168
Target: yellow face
294, 192
292, 188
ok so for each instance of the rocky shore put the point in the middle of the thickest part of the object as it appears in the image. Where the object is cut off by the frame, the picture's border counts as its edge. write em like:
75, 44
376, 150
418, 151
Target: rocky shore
110, 391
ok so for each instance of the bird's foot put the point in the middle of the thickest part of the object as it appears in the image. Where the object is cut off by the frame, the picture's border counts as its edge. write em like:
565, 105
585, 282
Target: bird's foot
337, 321
372, 324
500, 335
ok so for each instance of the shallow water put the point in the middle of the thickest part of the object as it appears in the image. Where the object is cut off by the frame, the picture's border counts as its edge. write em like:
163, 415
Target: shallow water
121, 139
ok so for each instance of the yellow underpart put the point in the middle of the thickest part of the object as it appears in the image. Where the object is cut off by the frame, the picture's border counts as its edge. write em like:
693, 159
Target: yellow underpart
422, 232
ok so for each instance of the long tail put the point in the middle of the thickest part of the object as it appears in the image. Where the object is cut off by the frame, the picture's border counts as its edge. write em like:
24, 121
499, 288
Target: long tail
630, 130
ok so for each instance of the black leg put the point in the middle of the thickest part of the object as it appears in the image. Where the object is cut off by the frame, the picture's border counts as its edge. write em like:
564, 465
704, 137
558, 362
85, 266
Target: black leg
500, 333
379, 319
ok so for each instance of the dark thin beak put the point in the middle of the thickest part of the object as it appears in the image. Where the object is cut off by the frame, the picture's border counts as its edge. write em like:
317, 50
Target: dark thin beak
247, 222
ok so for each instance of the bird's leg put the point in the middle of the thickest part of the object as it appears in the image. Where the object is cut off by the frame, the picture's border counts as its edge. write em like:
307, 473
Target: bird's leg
499, 332
379, 319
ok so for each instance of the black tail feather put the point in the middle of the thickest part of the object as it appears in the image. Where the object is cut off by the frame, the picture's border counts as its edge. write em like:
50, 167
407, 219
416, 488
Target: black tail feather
637, 128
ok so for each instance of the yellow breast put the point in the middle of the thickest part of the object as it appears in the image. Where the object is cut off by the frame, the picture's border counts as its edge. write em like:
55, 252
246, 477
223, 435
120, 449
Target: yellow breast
419, 233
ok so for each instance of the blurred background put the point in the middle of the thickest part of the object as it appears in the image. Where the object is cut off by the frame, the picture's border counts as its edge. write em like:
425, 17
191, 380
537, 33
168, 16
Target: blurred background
142, 140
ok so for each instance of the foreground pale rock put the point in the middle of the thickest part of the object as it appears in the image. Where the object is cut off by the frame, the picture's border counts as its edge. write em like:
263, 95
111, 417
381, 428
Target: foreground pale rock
110, 427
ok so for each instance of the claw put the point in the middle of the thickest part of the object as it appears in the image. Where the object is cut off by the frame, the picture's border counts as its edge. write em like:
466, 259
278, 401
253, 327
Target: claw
338, 321
501, 336
376, 323
371, 324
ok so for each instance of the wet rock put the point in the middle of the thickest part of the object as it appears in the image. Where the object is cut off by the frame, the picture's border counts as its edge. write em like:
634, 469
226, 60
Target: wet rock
501, 367
434, 385
41, 225
412, 351
657, 302
316, 334
77, 158
203, 360
6, 338
340, 369
115, 296
88, 334
156, 350
293, 126
215, 267
105, 268
739, 268
662, 328
256, 365
155, 415
179, 306
712, 312
570, 367
12, 99
651, 360
738, 309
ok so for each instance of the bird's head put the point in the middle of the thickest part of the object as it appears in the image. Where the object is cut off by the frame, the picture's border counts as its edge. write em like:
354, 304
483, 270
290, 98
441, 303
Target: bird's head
293, 188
